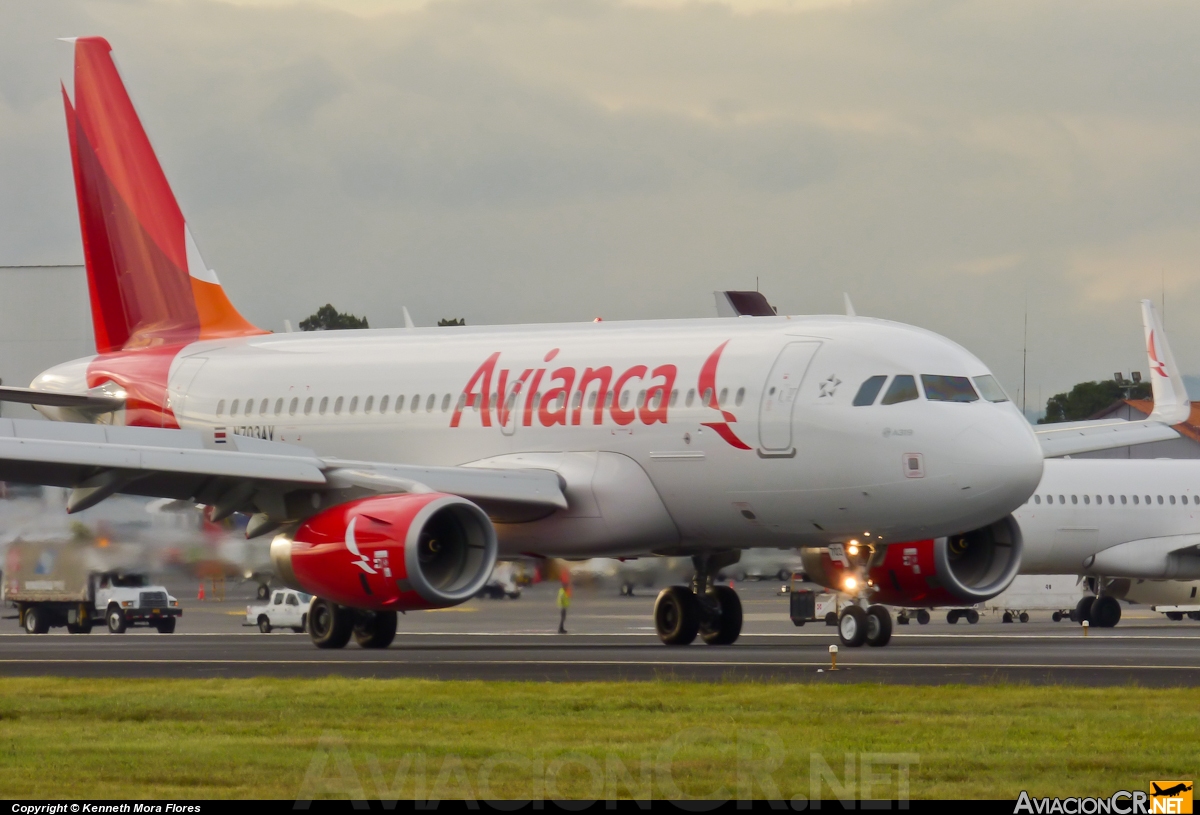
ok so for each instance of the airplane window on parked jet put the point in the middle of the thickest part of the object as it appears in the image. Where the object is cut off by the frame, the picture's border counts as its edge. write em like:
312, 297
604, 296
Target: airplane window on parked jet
691, 397
1062, 499
234, 407
990, 389
278, 407
948, 388
902, 389
1183, 499
400, 403
724, 399
429, 400
1099, 499
578, 400
1110, 500
370, 403
249, 406
591, 400
308, 406
675, 397
737, 400
220, 407
462, 400
1196, 499
706, 397
294, 405
1135, 500
641, 399
337, 405
1172, 500
1160, 499
869, 390
416, 402
1037, 499
1074, 499
353, 404
1123, 499
624, 399
383, 404
1087, 499
445, 403
262, 408
324, 405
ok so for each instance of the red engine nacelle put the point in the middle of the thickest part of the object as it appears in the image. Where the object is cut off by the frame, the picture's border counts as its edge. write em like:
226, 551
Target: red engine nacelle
391, 552
959, 570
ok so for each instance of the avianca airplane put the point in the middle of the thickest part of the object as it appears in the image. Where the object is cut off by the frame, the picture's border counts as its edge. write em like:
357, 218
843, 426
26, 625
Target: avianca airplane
1109, 520
394, 466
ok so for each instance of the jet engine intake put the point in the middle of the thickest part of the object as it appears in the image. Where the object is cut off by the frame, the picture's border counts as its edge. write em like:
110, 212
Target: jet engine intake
958, 570
390, 552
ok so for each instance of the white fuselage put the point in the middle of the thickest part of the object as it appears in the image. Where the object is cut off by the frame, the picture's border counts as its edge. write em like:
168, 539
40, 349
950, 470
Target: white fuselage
722, 433
1086, 507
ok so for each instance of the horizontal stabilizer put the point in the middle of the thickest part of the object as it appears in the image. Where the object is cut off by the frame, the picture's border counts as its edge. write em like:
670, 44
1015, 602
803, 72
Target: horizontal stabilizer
82, 401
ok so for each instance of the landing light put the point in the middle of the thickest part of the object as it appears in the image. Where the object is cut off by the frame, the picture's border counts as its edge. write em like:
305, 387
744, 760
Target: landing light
852, 549
850, 584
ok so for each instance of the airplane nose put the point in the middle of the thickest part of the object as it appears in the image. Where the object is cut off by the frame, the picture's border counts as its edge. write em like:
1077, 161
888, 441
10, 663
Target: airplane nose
998, 460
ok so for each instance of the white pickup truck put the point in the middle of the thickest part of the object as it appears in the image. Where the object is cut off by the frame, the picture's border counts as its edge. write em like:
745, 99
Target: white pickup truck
285, 608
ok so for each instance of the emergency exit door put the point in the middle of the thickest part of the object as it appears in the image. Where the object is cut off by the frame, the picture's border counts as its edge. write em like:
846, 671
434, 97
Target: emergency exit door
779, 396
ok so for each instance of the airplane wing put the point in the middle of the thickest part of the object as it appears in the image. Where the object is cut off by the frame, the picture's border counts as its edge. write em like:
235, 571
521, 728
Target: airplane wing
1171, 406
1175, 557
239, 474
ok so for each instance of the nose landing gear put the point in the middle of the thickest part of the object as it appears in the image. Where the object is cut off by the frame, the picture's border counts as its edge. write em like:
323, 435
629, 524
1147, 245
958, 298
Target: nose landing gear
871, 626
712, 612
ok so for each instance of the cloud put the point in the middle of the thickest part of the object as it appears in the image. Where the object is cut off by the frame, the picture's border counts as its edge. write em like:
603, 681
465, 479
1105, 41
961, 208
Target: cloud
949, 165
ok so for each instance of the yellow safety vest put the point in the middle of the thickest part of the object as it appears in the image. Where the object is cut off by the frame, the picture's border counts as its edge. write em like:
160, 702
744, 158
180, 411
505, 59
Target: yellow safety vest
564, 598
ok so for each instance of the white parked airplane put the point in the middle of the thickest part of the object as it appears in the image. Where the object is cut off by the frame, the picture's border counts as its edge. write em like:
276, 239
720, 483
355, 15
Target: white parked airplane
394, 466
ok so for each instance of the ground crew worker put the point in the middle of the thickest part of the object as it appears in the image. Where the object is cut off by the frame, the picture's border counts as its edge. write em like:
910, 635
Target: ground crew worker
564, 602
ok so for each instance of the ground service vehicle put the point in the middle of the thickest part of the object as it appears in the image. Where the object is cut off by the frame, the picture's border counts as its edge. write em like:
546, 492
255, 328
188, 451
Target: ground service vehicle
392, 467
52, 586
285, 608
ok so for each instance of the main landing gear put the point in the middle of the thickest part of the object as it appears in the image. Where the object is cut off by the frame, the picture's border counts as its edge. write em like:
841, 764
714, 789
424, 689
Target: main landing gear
331, 626
712, 612
870, 626
1103, 611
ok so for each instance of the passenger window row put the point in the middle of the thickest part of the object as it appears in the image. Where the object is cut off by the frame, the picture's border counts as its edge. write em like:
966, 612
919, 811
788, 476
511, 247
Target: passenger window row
263, 407
1124, 499
937, 387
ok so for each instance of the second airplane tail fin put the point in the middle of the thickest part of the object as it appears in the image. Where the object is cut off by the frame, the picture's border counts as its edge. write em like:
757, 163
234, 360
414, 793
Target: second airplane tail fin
147, 281
1171, 405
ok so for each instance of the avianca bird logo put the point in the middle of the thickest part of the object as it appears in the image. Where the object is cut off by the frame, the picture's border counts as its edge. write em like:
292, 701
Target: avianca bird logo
707, 387
1156, 364
352, 545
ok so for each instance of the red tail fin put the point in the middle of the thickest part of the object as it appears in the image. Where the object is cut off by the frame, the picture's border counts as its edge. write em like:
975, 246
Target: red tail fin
147, 282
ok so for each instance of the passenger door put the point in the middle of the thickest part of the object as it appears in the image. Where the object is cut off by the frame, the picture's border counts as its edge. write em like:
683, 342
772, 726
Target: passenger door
779, 397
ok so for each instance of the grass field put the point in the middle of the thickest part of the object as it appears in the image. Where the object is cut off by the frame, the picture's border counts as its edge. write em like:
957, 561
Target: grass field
66, 738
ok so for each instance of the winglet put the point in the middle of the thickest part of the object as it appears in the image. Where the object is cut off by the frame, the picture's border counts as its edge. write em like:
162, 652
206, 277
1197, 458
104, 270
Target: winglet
849, 306
408, 323
1171, 405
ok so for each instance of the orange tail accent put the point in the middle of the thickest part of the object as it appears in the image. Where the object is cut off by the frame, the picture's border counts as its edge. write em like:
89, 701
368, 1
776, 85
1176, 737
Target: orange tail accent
147, 281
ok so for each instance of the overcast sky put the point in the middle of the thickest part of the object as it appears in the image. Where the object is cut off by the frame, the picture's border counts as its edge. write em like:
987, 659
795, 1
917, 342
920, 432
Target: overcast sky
543, 160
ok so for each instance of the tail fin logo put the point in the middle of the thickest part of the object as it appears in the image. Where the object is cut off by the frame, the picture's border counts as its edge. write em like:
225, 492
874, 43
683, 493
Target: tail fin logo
1156, 364
707, 387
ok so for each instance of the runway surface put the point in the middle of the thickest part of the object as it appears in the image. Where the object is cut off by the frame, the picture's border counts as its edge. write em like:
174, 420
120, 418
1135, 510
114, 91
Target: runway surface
611, 639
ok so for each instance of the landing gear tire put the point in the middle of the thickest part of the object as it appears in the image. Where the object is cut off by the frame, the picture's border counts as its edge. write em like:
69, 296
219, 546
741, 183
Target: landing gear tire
263, 591
376, 630
783, 574
1007, 618
166, 626
729, 625
952, 617
1193, 615
35, 621
972, 616
901, 619
1083, 610
879, 626
264, 624
1175, 615
1106, 612
330, 625
1024, 617
831, 619
923, 617
1056, 616
116, 621
676, 616
852, 626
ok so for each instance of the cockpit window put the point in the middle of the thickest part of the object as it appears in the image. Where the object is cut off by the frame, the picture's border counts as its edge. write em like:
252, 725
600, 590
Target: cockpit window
869, 390
990, 389
902, 389
948, 388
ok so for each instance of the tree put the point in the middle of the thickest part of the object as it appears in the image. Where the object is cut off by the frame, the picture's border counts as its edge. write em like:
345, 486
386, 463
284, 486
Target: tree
329, 318
1087, 399
459, 321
